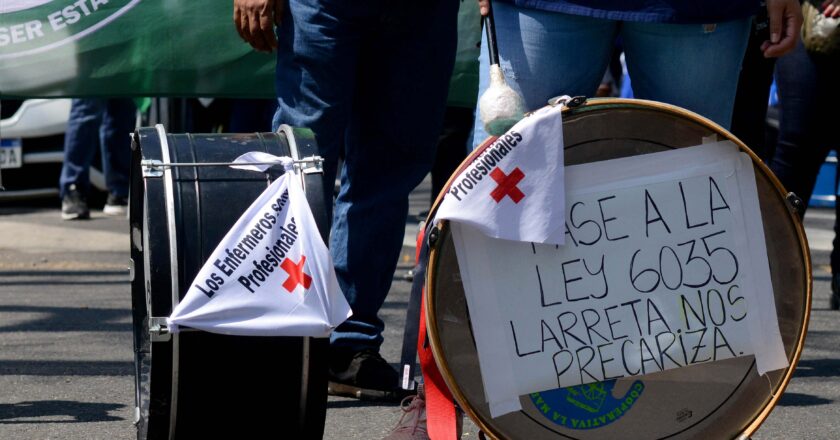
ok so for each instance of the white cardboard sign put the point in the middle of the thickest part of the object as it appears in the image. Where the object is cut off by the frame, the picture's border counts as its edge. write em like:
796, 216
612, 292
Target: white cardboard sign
663, 267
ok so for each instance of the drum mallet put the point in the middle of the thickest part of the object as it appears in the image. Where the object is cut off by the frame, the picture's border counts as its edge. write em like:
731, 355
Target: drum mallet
500, 107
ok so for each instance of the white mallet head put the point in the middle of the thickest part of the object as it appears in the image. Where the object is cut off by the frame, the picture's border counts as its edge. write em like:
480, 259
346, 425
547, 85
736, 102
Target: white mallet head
500, 107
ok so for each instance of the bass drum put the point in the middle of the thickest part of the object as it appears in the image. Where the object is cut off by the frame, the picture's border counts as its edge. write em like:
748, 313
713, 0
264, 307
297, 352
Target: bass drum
726, 399
198, 384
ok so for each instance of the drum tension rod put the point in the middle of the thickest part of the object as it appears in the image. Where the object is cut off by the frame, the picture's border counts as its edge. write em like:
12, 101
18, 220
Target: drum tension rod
154, 168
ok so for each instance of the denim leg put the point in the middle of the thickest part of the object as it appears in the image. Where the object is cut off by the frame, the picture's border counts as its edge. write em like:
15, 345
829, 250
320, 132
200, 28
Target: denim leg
749, 114
372, 81
693, 66
318, 42
546, 54
80, 143
398, 112
799, 153
251, 115
118, 122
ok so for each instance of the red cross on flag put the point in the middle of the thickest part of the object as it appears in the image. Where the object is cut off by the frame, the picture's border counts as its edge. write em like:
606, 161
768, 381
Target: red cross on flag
514, 188
296, 274
271, 275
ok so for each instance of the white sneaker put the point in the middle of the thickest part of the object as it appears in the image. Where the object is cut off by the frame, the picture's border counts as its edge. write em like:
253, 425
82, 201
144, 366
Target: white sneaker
115, 205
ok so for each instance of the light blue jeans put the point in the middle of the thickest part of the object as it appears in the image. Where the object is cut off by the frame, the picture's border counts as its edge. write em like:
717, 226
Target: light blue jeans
547, 54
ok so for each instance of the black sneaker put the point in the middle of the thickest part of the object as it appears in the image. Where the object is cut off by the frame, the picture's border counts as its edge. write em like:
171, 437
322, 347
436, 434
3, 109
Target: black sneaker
74, 205
363, 375
834, 303
115, 205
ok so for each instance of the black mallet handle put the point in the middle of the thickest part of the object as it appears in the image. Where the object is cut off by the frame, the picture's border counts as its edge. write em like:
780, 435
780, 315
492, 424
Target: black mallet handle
490, 28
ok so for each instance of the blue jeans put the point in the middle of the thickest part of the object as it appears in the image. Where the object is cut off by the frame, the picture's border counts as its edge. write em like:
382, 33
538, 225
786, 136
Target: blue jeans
370, 79
98, 123
547, 54
807, 96
749, 118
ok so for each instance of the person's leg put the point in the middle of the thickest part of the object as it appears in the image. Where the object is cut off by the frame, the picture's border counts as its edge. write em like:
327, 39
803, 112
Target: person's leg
399, 102
694, 66
834, 302
119, 120
828, 70
251, 115
546, 54
749, 116
80, 142
800, 152
451, 145
317, 59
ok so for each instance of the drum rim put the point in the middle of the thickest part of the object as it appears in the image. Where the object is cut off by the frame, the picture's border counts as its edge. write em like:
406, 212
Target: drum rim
600, 104
169, 205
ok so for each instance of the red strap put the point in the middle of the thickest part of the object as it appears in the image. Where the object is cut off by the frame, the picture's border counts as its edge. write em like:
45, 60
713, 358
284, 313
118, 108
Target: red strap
440, 409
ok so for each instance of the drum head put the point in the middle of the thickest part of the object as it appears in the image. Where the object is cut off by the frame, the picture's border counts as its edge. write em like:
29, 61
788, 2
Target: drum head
723, 399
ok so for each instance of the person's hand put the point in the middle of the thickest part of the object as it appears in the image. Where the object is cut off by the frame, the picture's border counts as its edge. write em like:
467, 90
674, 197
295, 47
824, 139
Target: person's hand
831, 8
785, 22
484, 7
255, 20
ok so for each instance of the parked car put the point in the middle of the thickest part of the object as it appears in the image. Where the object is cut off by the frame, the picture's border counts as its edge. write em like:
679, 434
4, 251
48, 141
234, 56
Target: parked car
32, 148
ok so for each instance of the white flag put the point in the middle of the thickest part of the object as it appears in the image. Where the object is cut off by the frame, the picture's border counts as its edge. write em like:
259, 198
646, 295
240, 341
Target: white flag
271, 275
514, 189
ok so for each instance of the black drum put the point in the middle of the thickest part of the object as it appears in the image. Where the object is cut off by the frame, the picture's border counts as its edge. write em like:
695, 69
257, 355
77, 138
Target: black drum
719, 400
198, 384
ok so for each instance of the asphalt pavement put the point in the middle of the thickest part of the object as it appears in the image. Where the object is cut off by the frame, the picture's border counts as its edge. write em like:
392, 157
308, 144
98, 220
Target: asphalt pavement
66, 368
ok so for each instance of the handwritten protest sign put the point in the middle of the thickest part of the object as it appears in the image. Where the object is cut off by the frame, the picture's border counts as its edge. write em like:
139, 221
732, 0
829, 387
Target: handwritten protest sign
662, 268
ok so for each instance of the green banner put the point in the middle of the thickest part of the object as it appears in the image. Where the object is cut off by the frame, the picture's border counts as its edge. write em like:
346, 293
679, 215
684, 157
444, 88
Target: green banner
62, 48
463, 86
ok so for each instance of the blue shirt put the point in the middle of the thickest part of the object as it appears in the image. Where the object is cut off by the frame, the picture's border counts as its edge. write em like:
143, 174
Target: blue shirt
663, 11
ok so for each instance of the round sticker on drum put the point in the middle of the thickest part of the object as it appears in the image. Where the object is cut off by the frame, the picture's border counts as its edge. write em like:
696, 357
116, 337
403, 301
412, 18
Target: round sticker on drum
588, 406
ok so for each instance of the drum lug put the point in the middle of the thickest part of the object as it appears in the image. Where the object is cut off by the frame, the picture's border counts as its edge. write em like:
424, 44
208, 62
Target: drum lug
567, 101
159, 330
311, 165
434, 234
152, 168
795, 204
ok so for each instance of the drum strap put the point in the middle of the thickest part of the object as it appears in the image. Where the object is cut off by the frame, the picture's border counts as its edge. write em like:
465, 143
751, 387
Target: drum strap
440, 408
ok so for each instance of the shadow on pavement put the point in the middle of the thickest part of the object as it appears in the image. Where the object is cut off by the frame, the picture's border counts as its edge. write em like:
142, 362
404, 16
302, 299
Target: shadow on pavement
66, 368
58, 273
797, 399
818, 368
399, 305
67, 319
64, 283
80, 412
355, 403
